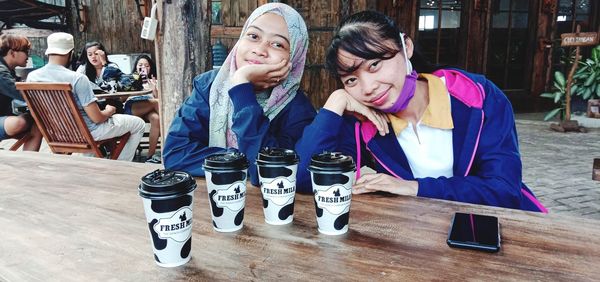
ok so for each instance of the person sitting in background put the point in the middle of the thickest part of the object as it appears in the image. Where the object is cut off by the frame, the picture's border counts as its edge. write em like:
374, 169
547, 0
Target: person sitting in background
146, 106
103, 124
14, 51
95, 62
103, 74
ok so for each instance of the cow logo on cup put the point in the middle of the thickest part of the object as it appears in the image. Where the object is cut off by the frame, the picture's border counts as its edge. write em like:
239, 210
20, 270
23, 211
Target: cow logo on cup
232, 198
175, 227
279, 191
335, 199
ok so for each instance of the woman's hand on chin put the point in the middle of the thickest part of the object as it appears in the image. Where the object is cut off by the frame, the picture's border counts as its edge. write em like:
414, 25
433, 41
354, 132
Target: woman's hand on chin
387, 183
341, 102
262, 76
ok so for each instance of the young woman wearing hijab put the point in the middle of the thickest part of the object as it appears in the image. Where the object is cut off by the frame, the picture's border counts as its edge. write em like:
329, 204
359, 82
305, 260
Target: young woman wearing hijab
252, 101
448, 135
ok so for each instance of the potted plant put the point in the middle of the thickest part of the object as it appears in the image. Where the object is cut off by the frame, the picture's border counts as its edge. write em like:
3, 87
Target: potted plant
587, 81
558, 96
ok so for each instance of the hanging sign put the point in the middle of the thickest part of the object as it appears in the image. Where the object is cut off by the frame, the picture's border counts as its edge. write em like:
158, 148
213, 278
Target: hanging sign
579, 39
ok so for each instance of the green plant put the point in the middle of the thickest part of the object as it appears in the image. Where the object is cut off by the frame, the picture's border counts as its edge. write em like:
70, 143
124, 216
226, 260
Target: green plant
559, 95
586, 83
587, 77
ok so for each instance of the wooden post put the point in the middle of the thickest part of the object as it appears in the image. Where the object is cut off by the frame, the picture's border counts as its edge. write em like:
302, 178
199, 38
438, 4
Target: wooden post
182, 48
570, 80
576, 39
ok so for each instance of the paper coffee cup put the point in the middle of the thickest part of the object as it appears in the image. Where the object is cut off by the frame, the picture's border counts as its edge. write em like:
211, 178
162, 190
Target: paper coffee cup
226, 175
168, 198
332, 176
277, 175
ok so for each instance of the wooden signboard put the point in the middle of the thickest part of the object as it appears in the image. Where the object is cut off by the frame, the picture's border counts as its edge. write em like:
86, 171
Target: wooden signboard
576, 39
579, 39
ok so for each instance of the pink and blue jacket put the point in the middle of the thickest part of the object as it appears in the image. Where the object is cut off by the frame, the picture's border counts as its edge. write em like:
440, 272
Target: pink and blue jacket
487, 163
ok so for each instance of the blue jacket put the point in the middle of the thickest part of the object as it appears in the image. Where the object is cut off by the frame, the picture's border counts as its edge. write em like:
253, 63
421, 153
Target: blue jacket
487, 164
186, 145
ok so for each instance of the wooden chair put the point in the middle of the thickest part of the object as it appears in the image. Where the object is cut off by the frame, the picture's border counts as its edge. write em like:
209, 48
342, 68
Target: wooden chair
55, 112
21, 139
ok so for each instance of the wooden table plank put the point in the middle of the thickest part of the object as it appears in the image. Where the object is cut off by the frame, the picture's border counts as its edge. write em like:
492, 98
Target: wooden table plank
76, 218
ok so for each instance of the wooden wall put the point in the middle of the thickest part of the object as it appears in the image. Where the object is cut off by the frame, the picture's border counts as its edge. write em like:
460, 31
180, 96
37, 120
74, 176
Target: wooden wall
403, 12
542, 58
321, 18
475, 51
116, 24
234, 15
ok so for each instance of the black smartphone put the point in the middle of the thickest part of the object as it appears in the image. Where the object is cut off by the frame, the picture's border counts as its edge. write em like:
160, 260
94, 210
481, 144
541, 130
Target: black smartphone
474, 231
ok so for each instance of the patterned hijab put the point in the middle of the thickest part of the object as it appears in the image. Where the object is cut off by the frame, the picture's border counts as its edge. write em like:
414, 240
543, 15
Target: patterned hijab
221, 107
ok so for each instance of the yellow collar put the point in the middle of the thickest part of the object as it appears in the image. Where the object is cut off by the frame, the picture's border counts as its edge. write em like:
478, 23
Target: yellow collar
437, 114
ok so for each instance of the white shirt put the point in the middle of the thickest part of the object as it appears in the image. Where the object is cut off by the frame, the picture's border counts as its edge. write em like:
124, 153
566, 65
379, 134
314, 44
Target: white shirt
431, 153
429, 150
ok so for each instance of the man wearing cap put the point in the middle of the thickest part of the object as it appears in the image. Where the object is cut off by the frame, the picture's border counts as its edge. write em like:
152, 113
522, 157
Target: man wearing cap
103, 124
14, 51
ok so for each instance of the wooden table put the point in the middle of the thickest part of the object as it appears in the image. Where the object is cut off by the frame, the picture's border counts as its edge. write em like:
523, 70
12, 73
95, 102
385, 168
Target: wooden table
125, 94
79, 219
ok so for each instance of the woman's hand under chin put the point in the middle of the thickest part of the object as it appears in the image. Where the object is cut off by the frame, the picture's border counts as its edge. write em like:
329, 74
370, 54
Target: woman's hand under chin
387, 183
341, 102
262, 76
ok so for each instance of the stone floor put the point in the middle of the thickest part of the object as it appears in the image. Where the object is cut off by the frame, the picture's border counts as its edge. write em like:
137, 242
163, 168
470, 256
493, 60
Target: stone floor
556, 166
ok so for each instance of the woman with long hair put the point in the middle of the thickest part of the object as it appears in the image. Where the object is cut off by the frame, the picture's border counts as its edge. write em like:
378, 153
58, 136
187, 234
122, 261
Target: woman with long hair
94, 62
448, 134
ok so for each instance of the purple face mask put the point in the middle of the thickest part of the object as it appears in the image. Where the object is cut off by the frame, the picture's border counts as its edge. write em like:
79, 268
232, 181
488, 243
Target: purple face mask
410, 84
408, 91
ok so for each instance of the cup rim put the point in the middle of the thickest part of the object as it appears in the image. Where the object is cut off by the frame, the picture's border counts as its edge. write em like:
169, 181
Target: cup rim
277, 155
154, 185
276, 163
330, 170
212, 169
164, 195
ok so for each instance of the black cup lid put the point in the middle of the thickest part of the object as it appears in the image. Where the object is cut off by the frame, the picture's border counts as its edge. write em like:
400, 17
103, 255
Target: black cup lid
277, 156
166, 183
226, 161
331, 161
